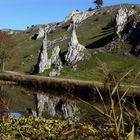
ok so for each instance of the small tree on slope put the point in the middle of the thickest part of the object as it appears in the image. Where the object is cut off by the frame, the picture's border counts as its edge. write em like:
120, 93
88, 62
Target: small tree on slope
99, 3
7, 48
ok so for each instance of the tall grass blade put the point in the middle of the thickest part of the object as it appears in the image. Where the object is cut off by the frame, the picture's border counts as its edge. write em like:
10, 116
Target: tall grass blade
131, 134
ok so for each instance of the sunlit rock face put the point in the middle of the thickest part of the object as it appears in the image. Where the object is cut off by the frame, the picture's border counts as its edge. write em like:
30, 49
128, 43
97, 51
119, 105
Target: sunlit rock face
74, 12
124, 19
56, 107
43, 61
41, 30
41, 33
128, 28
56, 62
75, 50
79, 16
55, 58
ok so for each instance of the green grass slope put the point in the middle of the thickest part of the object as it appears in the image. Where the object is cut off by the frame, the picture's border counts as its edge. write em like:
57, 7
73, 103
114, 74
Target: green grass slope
94, 33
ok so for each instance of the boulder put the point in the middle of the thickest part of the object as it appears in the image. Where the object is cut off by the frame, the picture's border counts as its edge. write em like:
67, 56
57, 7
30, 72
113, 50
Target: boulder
54, 72
75, 50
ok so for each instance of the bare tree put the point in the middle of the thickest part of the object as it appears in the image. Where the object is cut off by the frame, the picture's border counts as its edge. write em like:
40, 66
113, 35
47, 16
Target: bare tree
7, 48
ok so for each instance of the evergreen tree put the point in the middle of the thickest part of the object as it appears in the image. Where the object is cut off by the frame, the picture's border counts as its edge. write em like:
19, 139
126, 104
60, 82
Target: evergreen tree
99, 3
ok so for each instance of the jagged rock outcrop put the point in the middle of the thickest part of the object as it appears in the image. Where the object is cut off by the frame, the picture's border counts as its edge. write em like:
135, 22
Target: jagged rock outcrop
55, 58
75, 50
41, 30
56, 62
74, 54
123, 19
79, 16
43, 61
127, 29
56, 107
74, 12
41, 33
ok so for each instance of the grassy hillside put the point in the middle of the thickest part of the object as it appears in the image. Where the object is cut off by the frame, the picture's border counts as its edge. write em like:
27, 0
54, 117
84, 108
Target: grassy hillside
94, 33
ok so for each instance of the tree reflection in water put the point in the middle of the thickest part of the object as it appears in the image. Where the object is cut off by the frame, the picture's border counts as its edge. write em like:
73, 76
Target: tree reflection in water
6, 102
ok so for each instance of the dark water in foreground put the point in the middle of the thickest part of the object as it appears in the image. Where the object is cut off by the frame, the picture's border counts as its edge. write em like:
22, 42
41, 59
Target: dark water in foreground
22, 102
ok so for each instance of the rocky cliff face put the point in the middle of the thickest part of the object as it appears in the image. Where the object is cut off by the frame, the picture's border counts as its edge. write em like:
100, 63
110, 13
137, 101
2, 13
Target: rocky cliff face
74, 54
80, 16
123, 18
56, 107
75, 50
127, 29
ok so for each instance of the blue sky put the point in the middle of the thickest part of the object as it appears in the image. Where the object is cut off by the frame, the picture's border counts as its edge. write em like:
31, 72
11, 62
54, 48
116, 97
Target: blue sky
18, 14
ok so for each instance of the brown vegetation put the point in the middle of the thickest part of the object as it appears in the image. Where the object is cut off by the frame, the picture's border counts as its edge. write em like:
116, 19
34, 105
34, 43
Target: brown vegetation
7, 47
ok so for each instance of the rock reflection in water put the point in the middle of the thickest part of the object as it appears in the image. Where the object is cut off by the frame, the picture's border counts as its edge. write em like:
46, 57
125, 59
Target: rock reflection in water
28, 102
56, 107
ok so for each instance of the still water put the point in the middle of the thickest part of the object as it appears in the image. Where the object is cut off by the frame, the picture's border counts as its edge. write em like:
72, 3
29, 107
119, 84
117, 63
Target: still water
20, 101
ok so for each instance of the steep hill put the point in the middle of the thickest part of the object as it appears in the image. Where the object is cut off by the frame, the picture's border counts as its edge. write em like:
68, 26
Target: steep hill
94, 32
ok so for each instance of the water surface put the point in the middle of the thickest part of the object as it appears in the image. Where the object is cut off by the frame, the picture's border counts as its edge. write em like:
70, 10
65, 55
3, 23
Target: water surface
24, 102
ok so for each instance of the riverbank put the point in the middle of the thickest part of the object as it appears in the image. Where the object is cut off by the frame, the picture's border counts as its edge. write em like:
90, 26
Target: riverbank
85, 90
82, 89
